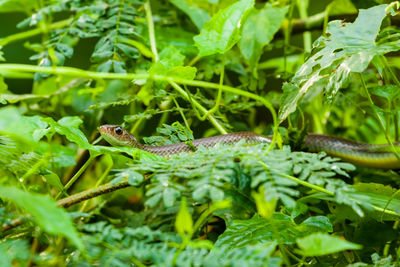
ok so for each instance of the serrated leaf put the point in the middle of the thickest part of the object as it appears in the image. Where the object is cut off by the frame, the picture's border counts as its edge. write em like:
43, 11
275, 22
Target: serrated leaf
222, 31
320, 244
44, 210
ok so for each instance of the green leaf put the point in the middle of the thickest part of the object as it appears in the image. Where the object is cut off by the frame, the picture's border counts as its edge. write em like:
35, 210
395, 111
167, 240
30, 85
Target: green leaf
16, 6
23, 127
14, 253
169, 196
389, 92
291, 94
319, 244
265, 208
340, 7
184, 222
197, 15
321, 223
349, 47
68, 126
222, 31
47, 214
379, 195
258, 30
54, 180
258, 230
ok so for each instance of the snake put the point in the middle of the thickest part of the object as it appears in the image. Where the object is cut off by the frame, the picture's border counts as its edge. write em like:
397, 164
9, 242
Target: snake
362, 154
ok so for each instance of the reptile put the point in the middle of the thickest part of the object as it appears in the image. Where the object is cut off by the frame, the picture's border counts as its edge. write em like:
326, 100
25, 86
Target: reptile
361, 154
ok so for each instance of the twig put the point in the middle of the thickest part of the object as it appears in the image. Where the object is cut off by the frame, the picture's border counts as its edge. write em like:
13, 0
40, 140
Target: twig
91, 193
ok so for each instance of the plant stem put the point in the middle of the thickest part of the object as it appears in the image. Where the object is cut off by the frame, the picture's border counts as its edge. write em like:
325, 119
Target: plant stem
25, 35
182, 114
302, 5
210, 117
6, 69
378, 118
77, 175
221, 82
149, 16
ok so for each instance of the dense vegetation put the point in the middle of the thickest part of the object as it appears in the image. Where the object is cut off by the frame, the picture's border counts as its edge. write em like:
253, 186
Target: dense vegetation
171, 71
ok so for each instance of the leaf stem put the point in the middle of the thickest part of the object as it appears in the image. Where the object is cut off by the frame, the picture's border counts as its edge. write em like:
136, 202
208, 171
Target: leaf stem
297, 180
321, 189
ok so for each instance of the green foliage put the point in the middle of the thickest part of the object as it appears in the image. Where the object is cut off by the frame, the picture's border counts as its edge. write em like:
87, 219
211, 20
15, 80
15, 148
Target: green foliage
322, 244
222, 32
258, 30
280, 228
349, 47
45, 212
173, 71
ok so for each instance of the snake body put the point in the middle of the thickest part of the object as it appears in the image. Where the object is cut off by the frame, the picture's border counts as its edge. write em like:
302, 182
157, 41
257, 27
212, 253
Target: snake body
367, 155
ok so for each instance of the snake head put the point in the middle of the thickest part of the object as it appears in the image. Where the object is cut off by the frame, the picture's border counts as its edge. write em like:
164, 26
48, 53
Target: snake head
117, 136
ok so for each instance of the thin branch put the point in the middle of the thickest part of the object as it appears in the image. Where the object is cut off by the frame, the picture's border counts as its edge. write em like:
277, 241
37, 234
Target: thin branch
25, 35
91, 193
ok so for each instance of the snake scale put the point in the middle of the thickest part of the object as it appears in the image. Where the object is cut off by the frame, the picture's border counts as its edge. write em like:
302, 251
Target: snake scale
361, 154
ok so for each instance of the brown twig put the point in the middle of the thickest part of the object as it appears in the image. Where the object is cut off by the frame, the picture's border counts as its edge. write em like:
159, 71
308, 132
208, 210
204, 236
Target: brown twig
91, 193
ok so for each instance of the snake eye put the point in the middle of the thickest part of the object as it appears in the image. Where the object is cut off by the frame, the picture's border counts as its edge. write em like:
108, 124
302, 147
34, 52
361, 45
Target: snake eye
118, 130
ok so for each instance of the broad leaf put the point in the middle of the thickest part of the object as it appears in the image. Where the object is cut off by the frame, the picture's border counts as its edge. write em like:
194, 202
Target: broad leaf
22, 127
222, 31
320, 244
68, 126
197, 15
44, 210
349, 47
258, 30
